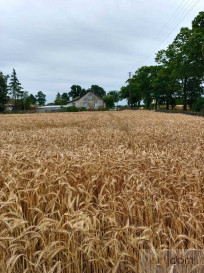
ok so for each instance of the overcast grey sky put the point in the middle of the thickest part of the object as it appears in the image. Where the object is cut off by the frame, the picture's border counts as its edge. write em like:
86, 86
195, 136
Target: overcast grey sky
55, 44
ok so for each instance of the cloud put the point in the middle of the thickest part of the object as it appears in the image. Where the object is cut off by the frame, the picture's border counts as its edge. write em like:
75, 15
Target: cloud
54, 44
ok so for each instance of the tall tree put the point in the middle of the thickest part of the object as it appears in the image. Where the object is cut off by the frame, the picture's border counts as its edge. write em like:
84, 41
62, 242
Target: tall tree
131, 92
41, 98
184, 56
58, 96
194, 90
58, 100
144, 83
65, 97
3, 91
15, 87
123, 93
166, 88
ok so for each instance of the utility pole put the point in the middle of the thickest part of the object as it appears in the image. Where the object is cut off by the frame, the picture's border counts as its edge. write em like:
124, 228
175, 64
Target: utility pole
129, 99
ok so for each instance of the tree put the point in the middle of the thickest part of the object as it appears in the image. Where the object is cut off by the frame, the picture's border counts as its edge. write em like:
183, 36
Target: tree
65, 97
135, 93
41, 98
166, 88
58, 96
61, 100
58, 100
198, 105
194, 90
142, 85
184, 56
15, 87
75, 92
109, 100
25, 99
3, 91
123, 93
115, 94
33, 99
131, 92
97, 90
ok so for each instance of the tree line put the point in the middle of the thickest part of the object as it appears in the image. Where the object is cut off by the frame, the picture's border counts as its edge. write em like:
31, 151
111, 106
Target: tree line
12, 91
178, 76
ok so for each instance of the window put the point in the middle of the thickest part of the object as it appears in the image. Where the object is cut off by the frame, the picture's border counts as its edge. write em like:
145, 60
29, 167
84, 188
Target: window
85, 104
90, 97
73, 103
96, 104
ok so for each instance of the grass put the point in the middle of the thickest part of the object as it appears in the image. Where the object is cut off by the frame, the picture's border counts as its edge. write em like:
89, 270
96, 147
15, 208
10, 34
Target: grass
85, 192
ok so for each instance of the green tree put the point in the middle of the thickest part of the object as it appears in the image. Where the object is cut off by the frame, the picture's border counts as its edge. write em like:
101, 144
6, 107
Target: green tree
184, 56
123, 93
166, 88
198, 105
33, 99
15, 87
109, 100
61, 100
83, 91
115, 94
26, 100
58, 96
76, 91
131, 92
65, 97
97, 90
142, 85
3, 91
194, 90
57, 101
41, 98
135, 94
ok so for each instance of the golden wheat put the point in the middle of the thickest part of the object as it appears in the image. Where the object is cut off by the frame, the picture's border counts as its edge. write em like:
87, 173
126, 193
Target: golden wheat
84, 192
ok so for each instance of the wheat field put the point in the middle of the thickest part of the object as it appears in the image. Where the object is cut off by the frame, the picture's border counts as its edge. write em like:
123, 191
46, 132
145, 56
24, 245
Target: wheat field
85, 192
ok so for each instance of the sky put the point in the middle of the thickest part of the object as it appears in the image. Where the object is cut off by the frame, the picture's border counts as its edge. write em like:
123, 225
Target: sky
55, 44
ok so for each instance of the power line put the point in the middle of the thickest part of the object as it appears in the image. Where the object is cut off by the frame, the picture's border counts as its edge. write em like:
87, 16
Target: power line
190, 8
174, 17
178, 22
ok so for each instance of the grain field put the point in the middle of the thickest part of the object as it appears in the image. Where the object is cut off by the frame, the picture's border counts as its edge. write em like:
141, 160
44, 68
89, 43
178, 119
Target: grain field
85, 192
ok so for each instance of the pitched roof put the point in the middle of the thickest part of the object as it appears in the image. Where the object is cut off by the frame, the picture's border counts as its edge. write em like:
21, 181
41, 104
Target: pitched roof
85, 95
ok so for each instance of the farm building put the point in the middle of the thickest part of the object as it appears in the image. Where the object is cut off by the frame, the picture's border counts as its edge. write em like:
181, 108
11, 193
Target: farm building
90, 101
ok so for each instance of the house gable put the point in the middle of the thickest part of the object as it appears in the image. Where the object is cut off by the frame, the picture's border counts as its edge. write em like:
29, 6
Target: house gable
90, 101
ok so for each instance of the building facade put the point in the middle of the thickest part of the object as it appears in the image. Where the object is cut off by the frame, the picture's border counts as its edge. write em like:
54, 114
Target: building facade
89, 101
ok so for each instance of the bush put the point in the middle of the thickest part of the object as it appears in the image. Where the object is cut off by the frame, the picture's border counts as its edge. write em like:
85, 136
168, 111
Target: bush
198, 105
82, 109
72, 109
